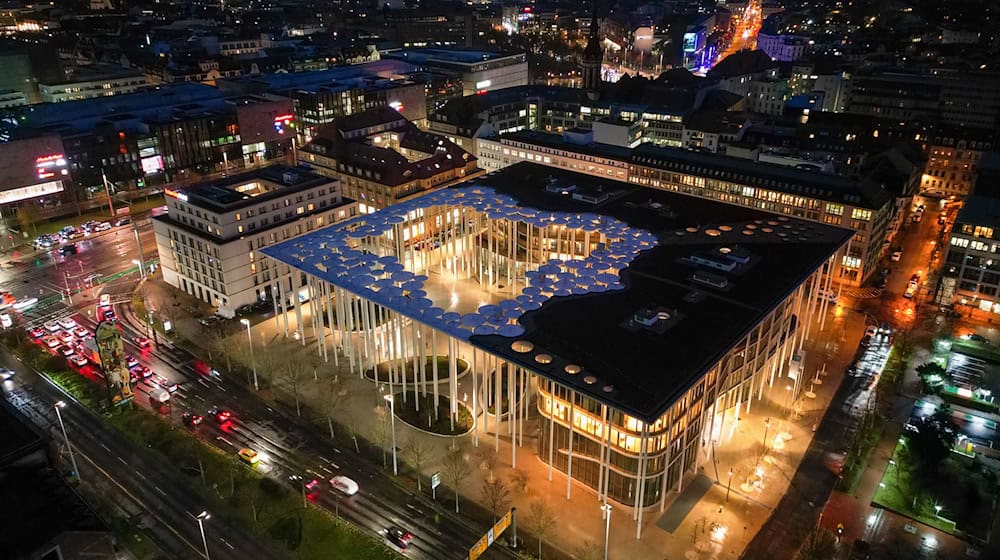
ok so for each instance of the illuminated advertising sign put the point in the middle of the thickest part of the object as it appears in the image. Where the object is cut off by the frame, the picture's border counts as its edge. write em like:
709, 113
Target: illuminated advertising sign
49, 166
690, 44
265, 121
32, 167
152, 165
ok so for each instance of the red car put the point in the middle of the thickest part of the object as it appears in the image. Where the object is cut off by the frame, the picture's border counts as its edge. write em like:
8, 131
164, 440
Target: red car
141, 341
142, 371
108, 315
221, 415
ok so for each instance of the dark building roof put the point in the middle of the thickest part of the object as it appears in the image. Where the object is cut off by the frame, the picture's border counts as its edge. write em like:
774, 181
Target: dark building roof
979, 210
742, 63
219, 195
646, 370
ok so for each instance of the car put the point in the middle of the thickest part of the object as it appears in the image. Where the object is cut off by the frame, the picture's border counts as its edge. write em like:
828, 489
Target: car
102, 226
67, 323
37, 332
123, 222
81, 333
312, 487
208, 321
249, 456
65, 337
896, 256
65, 350
50, 341
191, 420
105, 301
915, 278
6, 374
911, 290
917, 217
398, 536
345, 485
220, 415
78, 360
45, 242
52, 326
872, 330
942, 218
141, 371
167, 384
866, 341
130, 361
141, 341
69, 249
977, 338
109, 315
22, 304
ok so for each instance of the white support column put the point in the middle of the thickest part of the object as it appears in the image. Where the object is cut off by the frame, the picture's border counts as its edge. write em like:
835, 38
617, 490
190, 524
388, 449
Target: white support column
600, 470
475, 403
644, 459
637, 506
552, 422
524, 406
422, 350
298, 309
452, 381
333, 325
434, 371
569, 448
497, 403
415, 347
511, 377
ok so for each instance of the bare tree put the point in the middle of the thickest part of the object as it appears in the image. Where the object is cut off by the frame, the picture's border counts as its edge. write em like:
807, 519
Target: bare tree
541, 520
415, 451
291, 371
381, 433
455, 470
496, 496
586, 551
332, 402
519, 481
488, 456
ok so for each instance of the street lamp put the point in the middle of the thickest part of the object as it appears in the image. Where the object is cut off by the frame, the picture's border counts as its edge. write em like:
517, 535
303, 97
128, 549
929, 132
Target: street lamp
729, 484
606, 510
253, 362
202, 518
392, 423
142, 269
72, 458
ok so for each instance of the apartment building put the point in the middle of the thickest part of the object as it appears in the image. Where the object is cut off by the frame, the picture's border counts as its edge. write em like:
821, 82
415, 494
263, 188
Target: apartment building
952, 160
971, 275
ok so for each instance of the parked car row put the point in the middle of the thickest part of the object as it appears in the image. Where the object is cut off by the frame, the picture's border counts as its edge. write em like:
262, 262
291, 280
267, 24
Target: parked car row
71, 233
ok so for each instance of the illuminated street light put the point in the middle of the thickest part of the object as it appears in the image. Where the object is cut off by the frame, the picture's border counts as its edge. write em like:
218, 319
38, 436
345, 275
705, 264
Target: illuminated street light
606, 510
392, 421
253, 362
72, 458
201, 518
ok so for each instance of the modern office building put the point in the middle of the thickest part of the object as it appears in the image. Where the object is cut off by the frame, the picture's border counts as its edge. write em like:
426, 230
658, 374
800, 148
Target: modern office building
480, 71
638, 322
209, 239
970, 277
381, 159
949, 97
858, 204
90, 84
157, 136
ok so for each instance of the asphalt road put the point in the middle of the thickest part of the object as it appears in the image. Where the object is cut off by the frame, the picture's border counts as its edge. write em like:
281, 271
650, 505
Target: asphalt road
100, 451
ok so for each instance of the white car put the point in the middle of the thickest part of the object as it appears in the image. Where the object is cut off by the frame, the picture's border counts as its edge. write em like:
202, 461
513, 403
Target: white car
78, 360
345, 485
52, 326
911, 290
896, 255
67, 323
871, 331
51, 341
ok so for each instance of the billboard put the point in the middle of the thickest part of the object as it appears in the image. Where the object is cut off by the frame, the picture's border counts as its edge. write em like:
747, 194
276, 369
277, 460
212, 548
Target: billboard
690, 42
112, 354
264, 120
32, 167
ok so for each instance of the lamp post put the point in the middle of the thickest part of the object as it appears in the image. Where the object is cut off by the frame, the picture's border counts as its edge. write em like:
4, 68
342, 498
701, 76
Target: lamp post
253, 362
729, 484
72, 458
201, 518
606, 510
392, 423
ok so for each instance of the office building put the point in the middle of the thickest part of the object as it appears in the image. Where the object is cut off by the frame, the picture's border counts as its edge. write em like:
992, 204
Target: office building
858, 204
955, 98
971, 275
209, 240
480, 71
640, 323
952, 159
381, 159
91, 83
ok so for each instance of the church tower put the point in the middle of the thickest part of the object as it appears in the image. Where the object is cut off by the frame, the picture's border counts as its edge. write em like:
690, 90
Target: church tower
593, 56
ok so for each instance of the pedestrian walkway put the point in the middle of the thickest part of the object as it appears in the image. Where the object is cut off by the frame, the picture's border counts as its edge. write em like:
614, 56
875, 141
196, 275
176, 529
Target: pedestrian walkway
742, 478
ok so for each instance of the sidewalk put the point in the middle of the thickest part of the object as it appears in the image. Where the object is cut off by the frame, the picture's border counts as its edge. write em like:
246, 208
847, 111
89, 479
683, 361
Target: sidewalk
713, 528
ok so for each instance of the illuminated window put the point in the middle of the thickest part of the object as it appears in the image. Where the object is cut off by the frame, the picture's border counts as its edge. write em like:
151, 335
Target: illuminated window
835, 209
861, 214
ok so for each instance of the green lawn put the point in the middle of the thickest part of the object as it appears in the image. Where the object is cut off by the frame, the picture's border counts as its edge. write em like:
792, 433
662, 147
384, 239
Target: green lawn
383, 370
963, 489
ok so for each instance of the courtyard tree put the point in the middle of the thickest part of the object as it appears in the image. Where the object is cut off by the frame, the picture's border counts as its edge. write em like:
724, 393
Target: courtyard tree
496, 496
586, 551
819, 544
27, 217
488, 458
381, 431
291, 372
416, 451
332, 401
455, 470
541, 521
519, 480
930, 444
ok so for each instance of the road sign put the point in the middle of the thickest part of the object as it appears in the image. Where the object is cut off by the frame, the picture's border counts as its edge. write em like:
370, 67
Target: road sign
436, 479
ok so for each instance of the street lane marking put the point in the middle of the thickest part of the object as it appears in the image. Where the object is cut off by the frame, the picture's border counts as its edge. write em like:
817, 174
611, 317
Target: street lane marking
106, 448
158, 489
123, 461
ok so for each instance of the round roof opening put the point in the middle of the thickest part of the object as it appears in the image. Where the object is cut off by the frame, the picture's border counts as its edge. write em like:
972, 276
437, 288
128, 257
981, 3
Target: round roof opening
572, 369
726, 228
590, 380
543, 359
713, 232
522, 346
